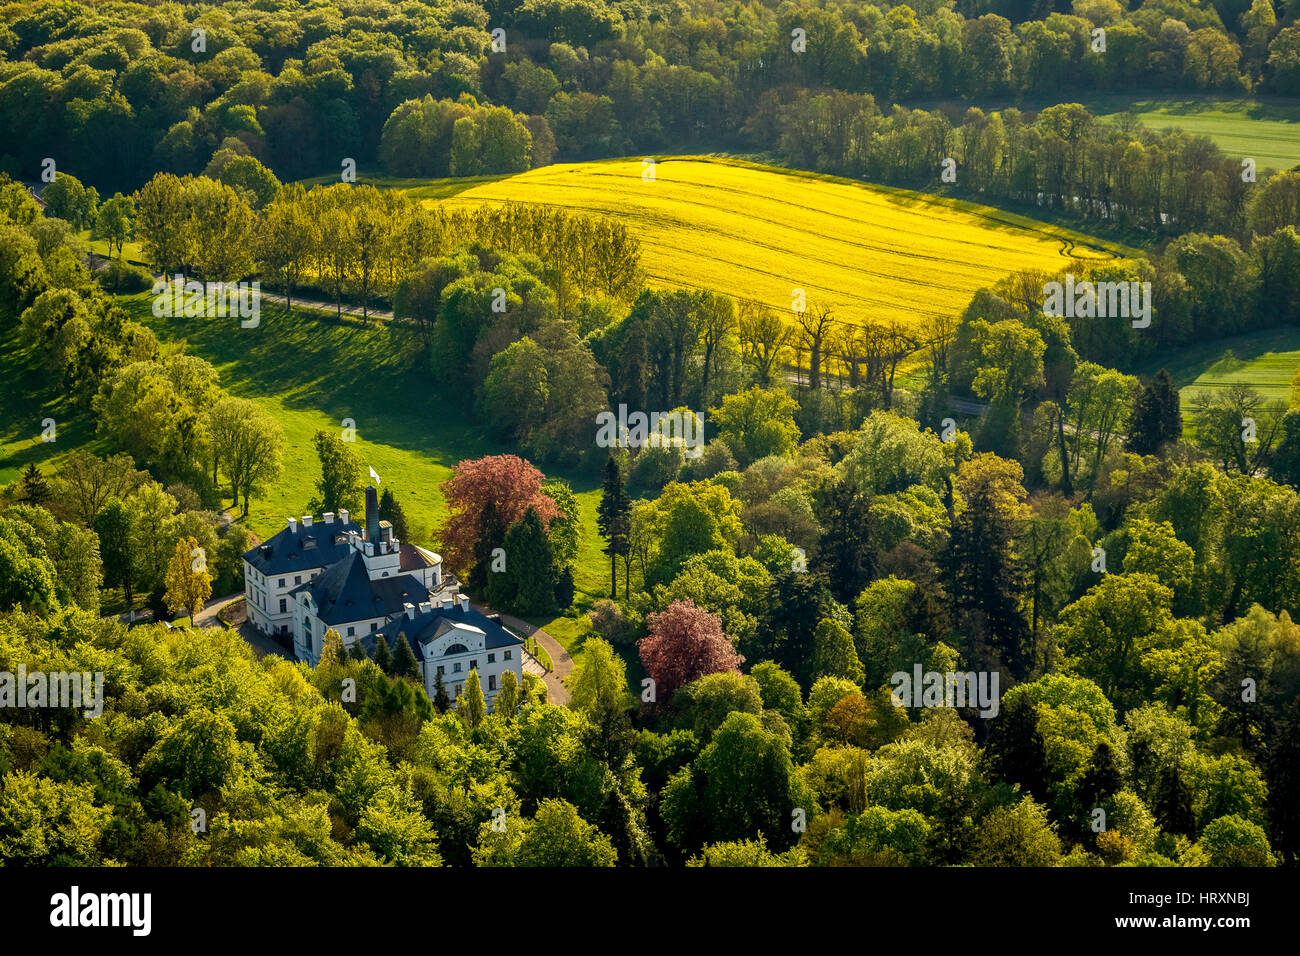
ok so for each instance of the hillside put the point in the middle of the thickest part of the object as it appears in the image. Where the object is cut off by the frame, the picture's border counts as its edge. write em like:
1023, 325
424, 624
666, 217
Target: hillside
751, 231
1267, 131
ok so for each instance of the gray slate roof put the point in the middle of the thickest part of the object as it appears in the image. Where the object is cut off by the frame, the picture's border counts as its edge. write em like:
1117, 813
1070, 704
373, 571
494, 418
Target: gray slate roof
428, 626
304, 549
343, 592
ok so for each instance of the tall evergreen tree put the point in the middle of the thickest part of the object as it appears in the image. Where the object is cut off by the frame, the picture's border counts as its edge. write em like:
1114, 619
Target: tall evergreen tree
1101, 780
491, 535
1157, 416
564, 588
440, 699
986, 579
1016, 751
357, 652
845, 549
614, 519
1281, 766
404, 660
33, 489
531, 565
383, 656
1285, 466
390, 510
796, 602
1173, 803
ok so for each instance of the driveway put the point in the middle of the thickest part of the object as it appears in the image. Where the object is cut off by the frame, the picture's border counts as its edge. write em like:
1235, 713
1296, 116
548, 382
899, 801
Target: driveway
556, 691
261, 643
207, 617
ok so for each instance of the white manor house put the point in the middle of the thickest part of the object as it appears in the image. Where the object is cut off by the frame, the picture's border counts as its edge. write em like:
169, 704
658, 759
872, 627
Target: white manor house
312, 576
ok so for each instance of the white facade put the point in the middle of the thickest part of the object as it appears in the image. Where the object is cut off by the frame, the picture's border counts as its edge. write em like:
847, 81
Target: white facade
461, 649
369, 575
270, 609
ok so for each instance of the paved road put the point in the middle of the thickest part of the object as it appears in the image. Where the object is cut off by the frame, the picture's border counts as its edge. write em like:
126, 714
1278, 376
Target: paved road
96, 262
207, 617
556, 691
261, 644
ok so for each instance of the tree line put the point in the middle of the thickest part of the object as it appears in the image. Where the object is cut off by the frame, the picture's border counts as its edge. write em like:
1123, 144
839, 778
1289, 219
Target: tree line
428, 90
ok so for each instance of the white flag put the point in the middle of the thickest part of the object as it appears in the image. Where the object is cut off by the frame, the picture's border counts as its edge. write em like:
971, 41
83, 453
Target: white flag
375, 475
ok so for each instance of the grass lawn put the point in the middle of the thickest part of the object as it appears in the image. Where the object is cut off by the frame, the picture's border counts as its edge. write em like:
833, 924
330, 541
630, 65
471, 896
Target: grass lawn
1266, 360
311, 371
1267, 131
28, 401
131, 250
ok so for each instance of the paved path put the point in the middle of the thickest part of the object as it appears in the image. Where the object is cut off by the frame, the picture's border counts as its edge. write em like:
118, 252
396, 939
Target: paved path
556, 691
318, 306
98, 262
261, 643
207, 617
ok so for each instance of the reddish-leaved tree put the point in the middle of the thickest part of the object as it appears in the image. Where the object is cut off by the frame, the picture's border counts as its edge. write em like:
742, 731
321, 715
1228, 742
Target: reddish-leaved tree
510, 482
685, 642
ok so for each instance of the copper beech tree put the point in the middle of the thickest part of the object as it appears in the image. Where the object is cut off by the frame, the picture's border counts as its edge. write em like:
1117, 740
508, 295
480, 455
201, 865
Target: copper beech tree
511, 483
685, 642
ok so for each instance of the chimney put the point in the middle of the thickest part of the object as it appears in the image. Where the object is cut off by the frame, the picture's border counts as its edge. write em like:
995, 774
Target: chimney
293, 525
372, 514
329, 517
446, 603
426, 607
385, 531
306, 521
410, 610
464, 602
343, 515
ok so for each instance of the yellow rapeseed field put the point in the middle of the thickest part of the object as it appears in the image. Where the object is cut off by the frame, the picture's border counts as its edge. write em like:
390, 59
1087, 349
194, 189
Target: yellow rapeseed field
759, 232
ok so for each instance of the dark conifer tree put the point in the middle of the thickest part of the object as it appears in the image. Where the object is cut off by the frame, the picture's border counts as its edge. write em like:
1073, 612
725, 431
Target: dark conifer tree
383, 656
440, 699
1157, 416
797, 601
614, 519
1015, 750
844, 549
491, 535
1101, 780
33, 489
404, 661
1281, 766
390, 510
986, 581
531, 565
1285, 466
564, 588
1173, 803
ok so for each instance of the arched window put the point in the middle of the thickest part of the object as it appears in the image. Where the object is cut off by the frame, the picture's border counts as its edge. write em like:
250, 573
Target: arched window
455, 649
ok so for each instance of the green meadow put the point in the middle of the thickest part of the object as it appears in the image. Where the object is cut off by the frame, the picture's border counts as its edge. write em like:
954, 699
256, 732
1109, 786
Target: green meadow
1267, 131
312, 371
1265, 360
